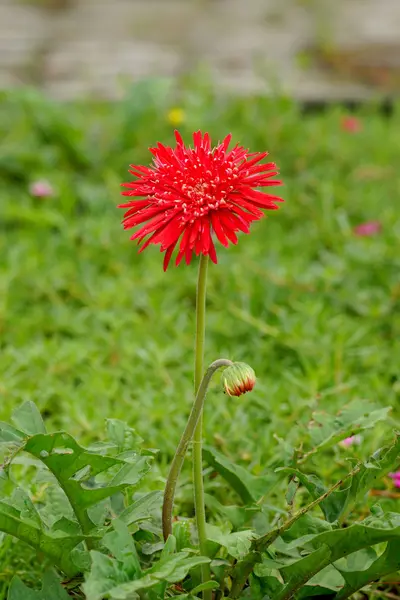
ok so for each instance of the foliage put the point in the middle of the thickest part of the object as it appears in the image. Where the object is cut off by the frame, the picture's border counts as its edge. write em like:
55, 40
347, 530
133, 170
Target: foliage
98, 536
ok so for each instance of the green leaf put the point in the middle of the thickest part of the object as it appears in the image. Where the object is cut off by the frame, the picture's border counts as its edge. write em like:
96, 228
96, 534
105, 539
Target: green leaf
177, 566
75, 469
22, 502
208, 585
9, 434
107, 578
142, 508
249, 487
56, 547
56, 505
237, 544
28, 419
182, 533
327, 430
123, 436
328, 547
325, 583
387, 563
237, 515
134, 469
308, 524
333, 505
51, 589
121, 544
105, 575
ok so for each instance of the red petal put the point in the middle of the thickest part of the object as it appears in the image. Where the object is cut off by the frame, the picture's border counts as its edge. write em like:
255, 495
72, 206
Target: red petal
168, 255
178, 138
219, 232
170, 232
184, 243
261, 199
197, 139
226, 142
247, 217
134, 206
257, 156
206, 238
188, 255
141, 217
228, 227
212, 253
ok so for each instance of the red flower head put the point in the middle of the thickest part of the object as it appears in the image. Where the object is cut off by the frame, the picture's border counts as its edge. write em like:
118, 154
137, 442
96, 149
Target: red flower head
189, 193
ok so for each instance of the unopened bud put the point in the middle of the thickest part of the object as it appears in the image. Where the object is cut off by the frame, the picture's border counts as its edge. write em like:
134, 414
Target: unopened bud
238, 379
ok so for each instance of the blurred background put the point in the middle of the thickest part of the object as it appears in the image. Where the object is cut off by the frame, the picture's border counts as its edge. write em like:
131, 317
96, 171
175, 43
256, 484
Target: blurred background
311, 49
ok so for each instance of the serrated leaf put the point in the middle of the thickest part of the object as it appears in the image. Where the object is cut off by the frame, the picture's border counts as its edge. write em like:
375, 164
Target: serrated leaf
56, 547
76, 469
327, 430
387, 563
28, 419
249, 487
51, 589
328, 547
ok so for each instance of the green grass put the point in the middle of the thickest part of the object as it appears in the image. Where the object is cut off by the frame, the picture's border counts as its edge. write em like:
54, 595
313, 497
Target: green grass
89, 329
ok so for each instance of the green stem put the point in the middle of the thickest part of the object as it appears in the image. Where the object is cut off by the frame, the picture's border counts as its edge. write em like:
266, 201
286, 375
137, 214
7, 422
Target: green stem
186, 438
198, 433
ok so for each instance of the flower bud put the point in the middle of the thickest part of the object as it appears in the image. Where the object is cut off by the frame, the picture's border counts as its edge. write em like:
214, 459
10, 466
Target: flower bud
238, 379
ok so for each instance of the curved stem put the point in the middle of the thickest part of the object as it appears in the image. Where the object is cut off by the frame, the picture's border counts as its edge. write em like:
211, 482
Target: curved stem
186, 438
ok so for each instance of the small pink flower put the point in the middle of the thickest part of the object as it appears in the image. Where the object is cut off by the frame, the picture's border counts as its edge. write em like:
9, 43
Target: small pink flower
352, 440
367, 229
41, 189
351, 124
396, 478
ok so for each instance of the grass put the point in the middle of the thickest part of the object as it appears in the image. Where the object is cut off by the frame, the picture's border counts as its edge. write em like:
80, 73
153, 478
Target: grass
89, 329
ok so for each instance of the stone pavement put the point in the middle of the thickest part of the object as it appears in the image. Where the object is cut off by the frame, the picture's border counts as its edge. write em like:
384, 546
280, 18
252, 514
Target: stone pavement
312, 49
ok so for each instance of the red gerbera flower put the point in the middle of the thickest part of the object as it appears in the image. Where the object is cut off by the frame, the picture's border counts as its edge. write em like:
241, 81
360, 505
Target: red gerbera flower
189, 193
